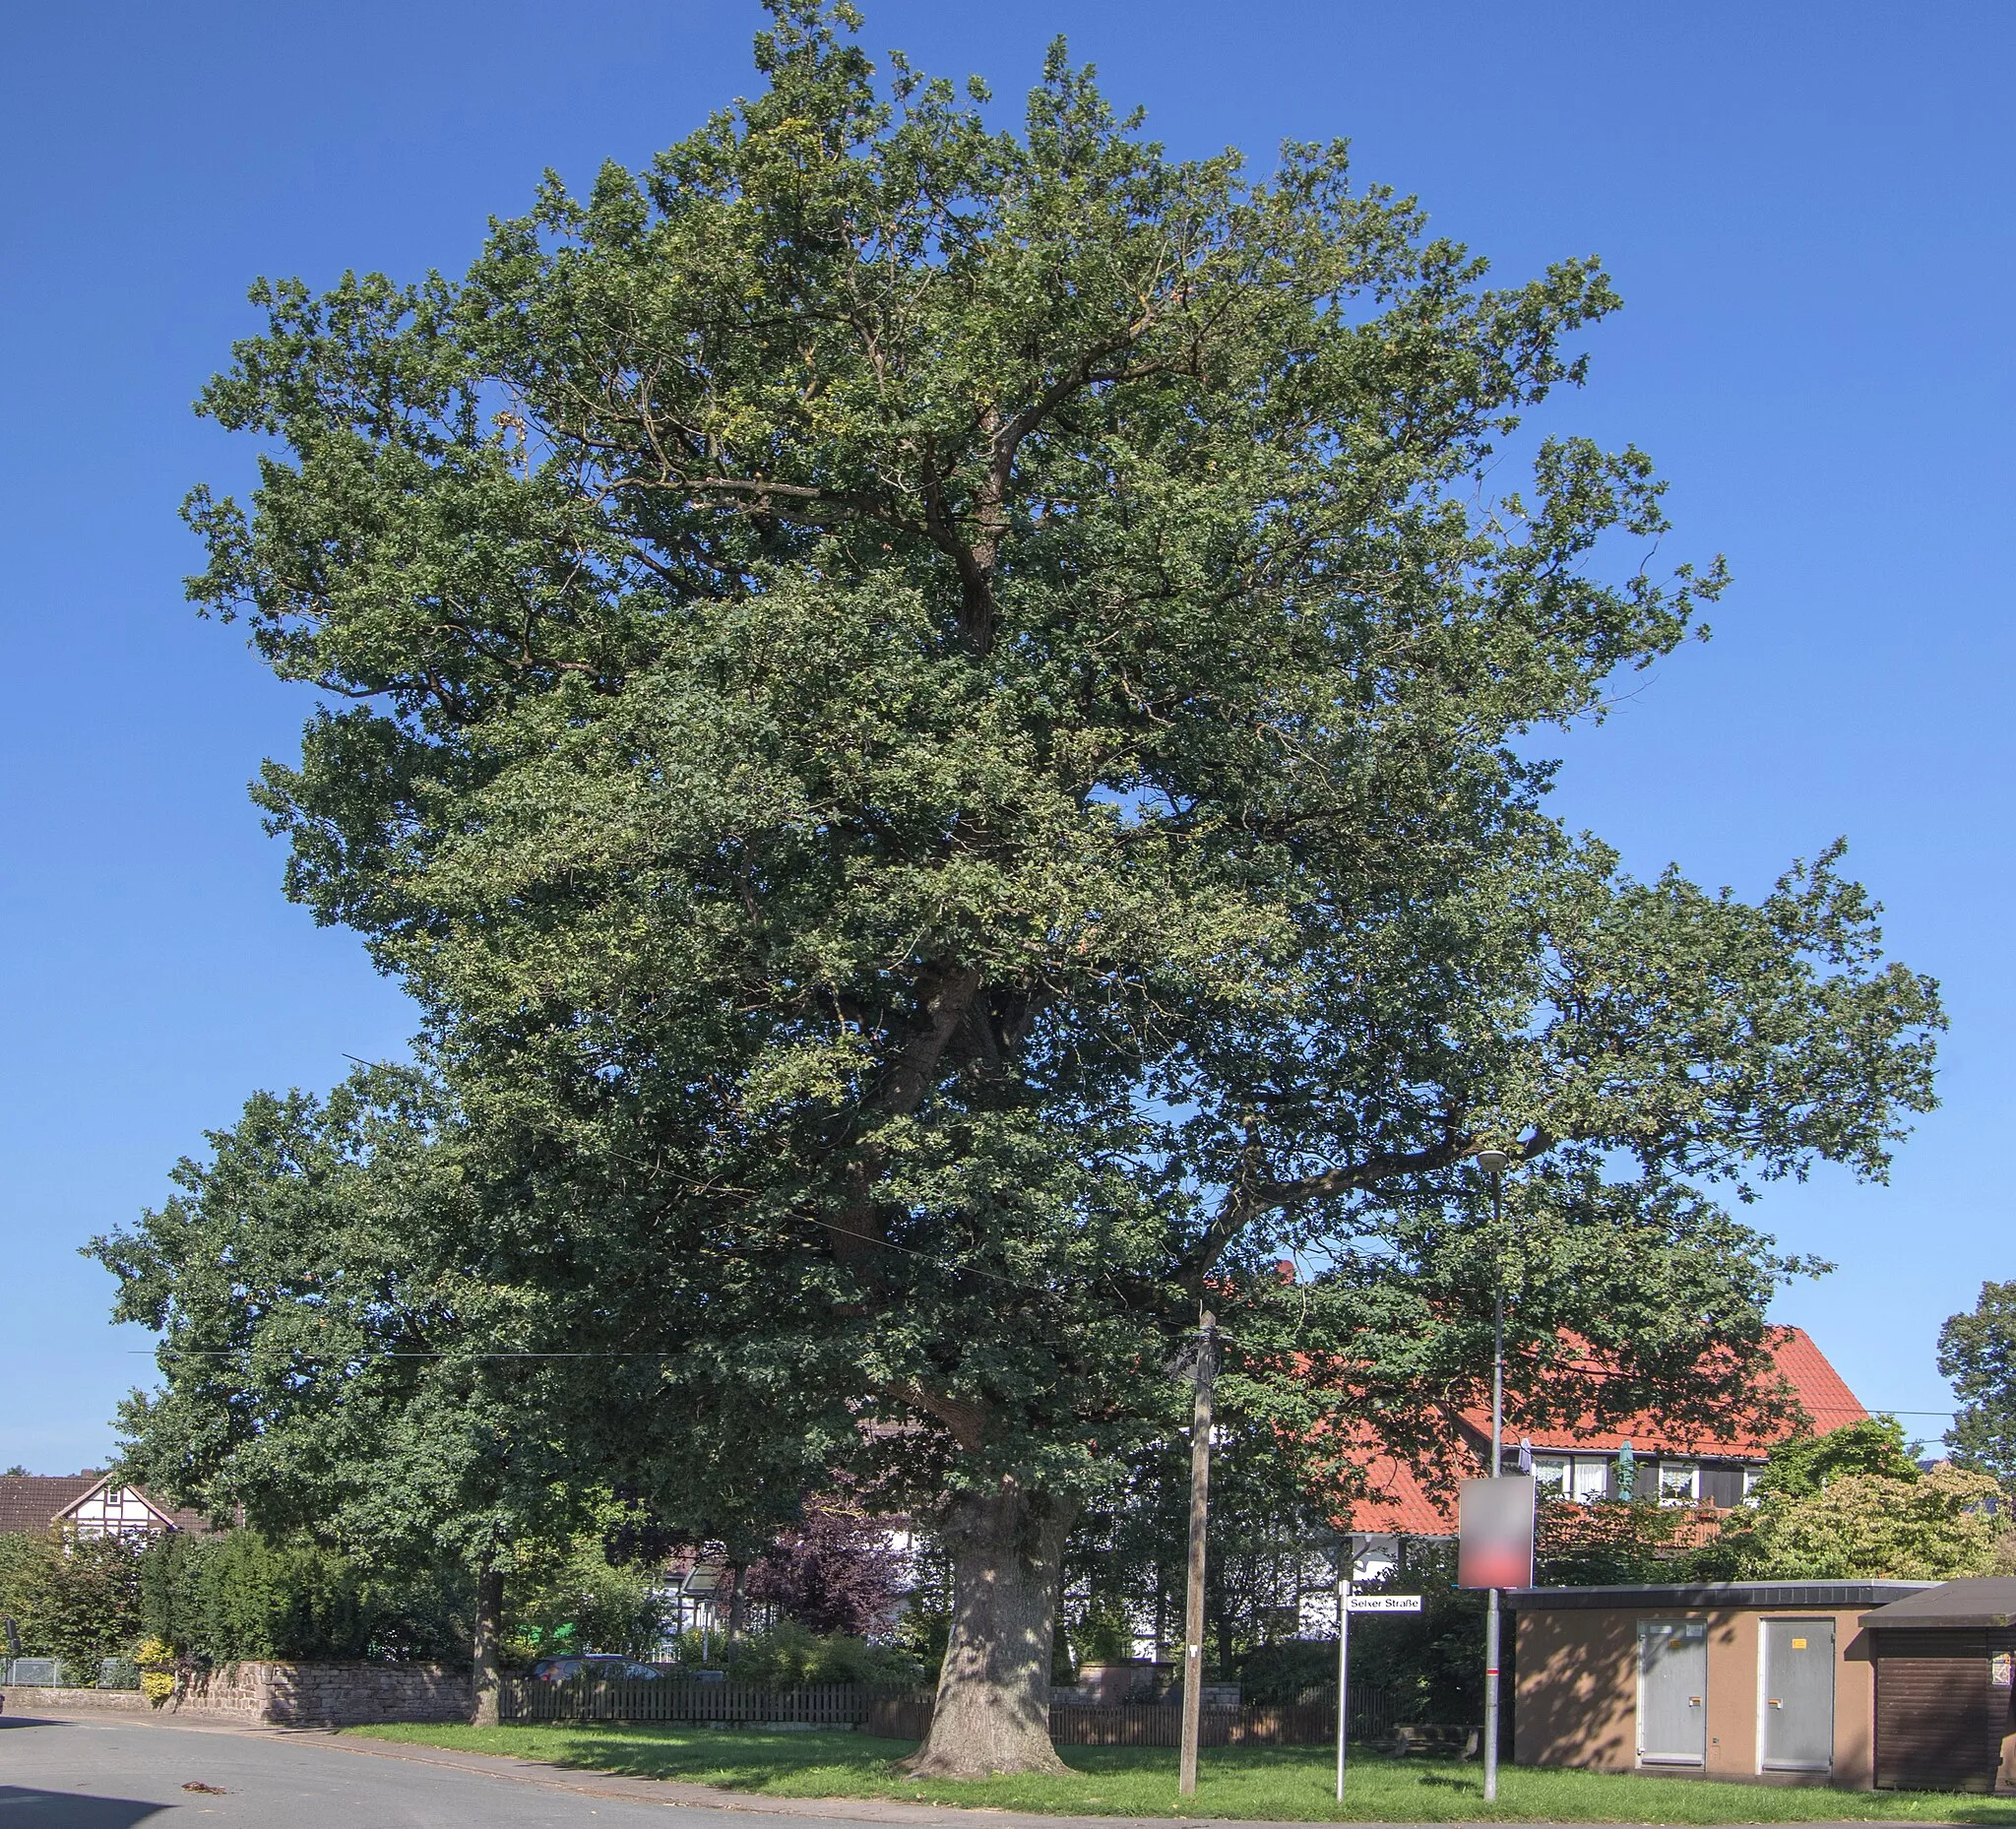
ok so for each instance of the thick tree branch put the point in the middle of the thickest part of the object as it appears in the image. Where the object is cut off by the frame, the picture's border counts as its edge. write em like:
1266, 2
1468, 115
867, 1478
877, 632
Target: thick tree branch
1246, 1202
965, 1422
947, 998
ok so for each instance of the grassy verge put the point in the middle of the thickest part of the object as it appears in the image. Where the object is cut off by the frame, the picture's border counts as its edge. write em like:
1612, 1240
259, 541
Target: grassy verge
1290, 1784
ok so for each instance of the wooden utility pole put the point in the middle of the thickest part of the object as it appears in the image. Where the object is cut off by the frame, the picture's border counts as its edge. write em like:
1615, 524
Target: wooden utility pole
1193, 1599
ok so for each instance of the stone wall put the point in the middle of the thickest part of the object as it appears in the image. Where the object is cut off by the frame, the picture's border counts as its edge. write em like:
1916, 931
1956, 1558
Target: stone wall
267, 1694
28, 1698
324, 1695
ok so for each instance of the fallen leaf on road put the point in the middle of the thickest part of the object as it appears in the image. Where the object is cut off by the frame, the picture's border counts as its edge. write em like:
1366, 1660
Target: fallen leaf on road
208, 1791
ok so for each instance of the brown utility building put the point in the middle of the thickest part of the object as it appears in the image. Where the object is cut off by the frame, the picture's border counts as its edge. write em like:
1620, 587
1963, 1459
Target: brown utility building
1772, 1682
1945, 1707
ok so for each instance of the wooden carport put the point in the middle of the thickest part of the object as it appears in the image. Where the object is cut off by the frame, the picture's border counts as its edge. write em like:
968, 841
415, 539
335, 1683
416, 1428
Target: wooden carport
1945, 1707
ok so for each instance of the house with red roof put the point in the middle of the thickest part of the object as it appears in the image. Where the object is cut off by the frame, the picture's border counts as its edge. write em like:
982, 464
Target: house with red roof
1712, 1466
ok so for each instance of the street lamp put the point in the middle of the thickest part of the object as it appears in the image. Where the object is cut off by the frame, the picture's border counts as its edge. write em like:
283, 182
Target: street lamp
1494, 1162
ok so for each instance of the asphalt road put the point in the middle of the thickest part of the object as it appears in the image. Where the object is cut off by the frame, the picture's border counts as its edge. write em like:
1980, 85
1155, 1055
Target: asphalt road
107, 1775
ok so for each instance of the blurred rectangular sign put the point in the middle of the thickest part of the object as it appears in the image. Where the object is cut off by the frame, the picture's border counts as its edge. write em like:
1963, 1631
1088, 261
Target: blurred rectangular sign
1495, 1531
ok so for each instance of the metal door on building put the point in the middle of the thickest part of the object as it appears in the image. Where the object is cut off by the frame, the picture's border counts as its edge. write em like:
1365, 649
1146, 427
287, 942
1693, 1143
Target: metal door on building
1798, 1730
1672, 1691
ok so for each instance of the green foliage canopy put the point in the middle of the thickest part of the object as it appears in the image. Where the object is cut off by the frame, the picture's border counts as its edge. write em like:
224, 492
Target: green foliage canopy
1977, 1352
1805, 1465
1853, 1504
1871, 1526
937, 717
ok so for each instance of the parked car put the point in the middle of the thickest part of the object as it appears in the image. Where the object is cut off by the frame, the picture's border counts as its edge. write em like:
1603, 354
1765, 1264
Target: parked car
604, 1667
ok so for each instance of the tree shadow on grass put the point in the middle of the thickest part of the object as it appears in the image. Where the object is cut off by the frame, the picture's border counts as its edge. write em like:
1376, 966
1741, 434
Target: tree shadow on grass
731, 1762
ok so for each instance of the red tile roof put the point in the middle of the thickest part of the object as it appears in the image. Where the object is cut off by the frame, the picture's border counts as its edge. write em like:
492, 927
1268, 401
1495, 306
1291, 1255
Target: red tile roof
1816, 1387
1821, 1389
1402, 1499
1396, 1503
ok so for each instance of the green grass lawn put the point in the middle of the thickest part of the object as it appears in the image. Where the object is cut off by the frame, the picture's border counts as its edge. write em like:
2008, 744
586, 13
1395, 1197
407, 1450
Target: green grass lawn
1292, 1784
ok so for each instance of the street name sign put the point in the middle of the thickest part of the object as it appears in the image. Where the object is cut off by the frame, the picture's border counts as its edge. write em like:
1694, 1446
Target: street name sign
1349, 1603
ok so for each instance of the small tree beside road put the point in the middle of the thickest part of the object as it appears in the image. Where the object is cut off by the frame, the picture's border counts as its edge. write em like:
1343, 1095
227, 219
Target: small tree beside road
339, 1371
1853, 1504
834, 1570
1977, 1352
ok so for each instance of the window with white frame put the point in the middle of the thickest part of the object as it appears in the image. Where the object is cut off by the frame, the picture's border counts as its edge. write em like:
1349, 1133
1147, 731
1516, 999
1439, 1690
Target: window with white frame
1751, 1475
1592, 1478
1680, 1483
1550, 1473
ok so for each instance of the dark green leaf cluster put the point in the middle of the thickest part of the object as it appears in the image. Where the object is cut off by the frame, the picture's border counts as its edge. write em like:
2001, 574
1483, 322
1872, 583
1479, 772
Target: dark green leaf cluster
1806, 1464
237, 1595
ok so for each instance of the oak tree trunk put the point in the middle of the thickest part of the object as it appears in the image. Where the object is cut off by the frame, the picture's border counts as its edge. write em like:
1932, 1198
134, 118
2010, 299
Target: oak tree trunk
993, 1706
489, 1632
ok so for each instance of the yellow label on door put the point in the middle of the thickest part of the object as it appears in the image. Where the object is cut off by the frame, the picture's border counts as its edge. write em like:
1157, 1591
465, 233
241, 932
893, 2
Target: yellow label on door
1799, 1644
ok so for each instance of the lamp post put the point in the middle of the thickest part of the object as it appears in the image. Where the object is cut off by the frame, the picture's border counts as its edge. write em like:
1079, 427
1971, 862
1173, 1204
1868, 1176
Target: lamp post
1494, 1162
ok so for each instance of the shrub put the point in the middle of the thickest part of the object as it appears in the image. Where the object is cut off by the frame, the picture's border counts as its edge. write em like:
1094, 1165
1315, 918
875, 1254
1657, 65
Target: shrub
573, 1598
73, 1598
1852, 1504
157, 1662
1603, 1542
1296, 1669
1103, 1632
1865, 1526
237, 1595
787, 1657
1432, 1662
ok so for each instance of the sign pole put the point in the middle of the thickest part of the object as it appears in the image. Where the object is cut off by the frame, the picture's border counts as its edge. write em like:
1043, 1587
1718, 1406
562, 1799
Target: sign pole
1491, 1626
1495, 1161
1345, 1571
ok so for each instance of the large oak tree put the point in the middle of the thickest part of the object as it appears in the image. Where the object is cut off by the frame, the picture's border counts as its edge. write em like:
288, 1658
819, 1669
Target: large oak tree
940, 719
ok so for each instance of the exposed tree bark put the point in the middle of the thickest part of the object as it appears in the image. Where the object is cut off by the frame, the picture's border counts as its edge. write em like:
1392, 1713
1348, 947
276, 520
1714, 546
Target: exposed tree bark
994, 1707
489, 1632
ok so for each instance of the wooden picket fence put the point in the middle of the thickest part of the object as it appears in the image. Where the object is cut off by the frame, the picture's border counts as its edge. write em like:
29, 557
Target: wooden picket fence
1160, 1723
595, 1698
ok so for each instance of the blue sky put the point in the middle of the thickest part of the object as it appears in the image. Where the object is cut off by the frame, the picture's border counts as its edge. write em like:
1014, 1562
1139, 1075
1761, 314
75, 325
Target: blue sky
1807, 211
